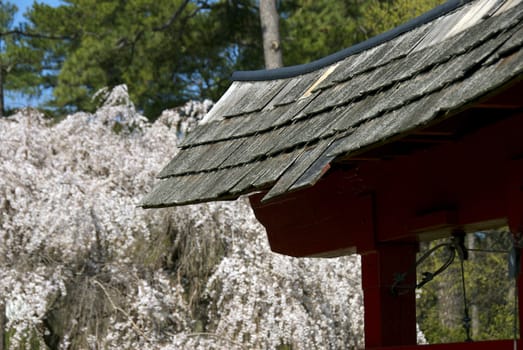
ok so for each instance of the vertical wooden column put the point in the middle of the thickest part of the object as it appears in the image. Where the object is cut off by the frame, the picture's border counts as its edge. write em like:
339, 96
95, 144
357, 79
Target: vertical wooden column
390, 318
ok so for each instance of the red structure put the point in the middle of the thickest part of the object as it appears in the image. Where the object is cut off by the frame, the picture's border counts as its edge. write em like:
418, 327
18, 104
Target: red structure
384, 204
413, 135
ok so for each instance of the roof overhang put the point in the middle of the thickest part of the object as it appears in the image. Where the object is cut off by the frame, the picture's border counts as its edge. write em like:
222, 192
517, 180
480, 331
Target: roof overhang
282, 135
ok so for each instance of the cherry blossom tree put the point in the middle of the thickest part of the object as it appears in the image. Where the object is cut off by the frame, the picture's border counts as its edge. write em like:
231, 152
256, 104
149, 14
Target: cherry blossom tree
83, 267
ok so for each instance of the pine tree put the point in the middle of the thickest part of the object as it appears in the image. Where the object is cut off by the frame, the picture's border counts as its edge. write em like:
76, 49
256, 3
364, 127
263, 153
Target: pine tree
19, 62
166, 51
312, 29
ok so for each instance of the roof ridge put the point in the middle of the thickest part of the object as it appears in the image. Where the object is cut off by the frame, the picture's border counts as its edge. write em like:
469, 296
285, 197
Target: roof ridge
292, 71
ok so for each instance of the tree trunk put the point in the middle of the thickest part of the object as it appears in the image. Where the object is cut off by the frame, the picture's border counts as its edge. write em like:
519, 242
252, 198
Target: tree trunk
271, 34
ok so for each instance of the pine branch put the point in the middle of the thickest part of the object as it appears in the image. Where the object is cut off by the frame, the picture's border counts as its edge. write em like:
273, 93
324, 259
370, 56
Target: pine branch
27, 34
173, 17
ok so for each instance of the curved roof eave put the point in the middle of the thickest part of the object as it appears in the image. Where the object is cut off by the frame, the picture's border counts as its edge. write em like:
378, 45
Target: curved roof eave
292, 71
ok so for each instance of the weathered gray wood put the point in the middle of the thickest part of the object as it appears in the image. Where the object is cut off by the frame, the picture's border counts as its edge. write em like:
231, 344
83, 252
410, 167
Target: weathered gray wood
424, 110
255, 98
278, 166
391, 124
439, 29
515, 41
483, 81
285, 133
297, 168
347, 68
256, 148
202, 158
262, 121
183, 160
213, 132
295, 88
264, 172
373, 80
229, 97
404, 44
317, 169
253, 171
194, 188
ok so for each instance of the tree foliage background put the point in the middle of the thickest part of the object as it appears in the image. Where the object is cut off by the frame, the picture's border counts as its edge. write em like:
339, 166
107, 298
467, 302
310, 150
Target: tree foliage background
169, 52
490, 292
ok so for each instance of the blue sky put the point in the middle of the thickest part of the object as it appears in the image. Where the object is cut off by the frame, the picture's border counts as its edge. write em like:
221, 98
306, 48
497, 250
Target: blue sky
15, 100
24, 4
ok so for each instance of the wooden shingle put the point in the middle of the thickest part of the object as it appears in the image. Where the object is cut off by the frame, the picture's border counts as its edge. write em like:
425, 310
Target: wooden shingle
282, 132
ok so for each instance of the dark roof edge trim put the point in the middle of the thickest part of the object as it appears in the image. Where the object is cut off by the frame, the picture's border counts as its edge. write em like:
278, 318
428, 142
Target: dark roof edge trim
292, 71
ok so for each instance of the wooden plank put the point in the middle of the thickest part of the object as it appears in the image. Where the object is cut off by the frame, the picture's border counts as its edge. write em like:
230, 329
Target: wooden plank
253, 172
295, 112
403, 72
317, 169
267, 120
264, 172
404, 44
254, 148
297, 169
507, 5
255, 97
230, 96
202, 131
514, 41
483, 81
163, 192
391, 124
183, 160
195, 188
471, 16
348, 68
304, 131
279, 166
201, 158
218, 184
295, 88
439, 29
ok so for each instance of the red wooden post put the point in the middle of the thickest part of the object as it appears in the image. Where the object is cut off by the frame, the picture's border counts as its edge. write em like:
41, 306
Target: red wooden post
390, 319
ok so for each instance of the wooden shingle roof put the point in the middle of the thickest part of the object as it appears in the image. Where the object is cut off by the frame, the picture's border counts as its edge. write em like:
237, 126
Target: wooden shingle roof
280, 133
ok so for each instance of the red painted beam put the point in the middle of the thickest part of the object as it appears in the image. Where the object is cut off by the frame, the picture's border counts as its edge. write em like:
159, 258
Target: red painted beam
480, 345
327, 219
425, 195
460, 184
